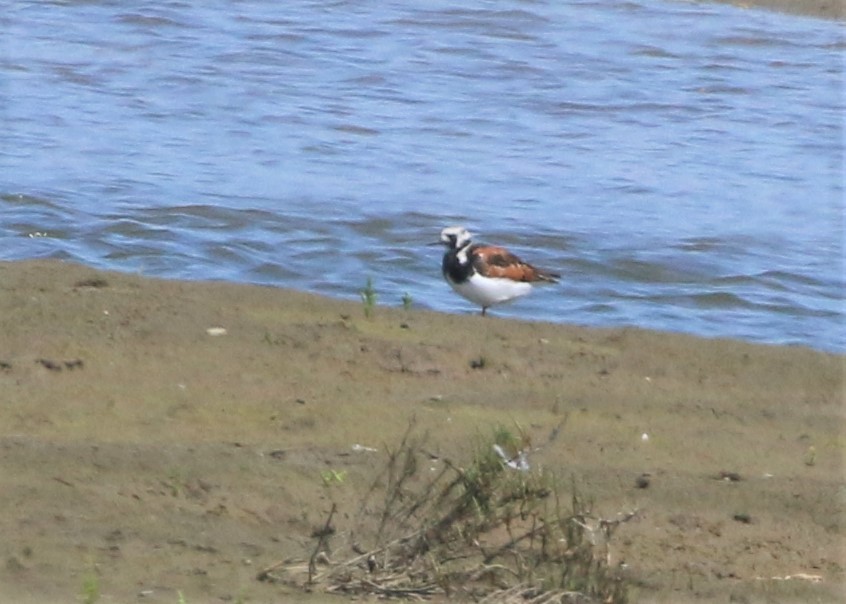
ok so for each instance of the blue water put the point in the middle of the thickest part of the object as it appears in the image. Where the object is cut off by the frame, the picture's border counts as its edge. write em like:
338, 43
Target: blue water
681, 164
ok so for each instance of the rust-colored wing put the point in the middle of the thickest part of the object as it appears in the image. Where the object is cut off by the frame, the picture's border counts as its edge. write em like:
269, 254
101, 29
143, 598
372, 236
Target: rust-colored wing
497, 262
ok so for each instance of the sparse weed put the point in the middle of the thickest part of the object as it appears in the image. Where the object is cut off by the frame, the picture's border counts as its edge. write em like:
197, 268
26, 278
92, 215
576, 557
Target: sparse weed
368, 298
175, 482
407, 301
811, 456
486, 530
331, 477
90, 589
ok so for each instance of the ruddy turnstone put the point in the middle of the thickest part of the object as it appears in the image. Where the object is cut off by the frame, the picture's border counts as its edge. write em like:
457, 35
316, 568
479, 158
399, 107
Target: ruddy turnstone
486, 274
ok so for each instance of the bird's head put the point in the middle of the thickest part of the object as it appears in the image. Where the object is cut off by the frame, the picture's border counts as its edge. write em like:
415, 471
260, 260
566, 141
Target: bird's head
454, 237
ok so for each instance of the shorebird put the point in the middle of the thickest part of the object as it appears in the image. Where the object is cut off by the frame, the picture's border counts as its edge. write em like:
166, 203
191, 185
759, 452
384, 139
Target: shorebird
486, 274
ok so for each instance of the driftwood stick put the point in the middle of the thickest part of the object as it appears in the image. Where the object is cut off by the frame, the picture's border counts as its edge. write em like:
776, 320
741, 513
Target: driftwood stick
356, 560
322, 539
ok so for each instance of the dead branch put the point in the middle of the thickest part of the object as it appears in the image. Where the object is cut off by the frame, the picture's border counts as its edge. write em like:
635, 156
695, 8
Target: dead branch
322, 543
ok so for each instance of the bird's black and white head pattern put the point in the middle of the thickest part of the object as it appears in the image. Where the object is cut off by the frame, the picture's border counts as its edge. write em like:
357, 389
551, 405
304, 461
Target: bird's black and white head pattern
456, 237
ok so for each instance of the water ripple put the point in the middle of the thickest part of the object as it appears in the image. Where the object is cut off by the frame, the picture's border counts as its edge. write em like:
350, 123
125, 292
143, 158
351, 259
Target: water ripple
679, 163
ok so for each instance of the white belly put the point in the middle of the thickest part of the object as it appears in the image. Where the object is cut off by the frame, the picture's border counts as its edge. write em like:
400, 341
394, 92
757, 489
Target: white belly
487, 292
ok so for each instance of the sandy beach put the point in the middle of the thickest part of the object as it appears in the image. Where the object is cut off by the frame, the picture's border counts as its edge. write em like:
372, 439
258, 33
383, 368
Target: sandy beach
828, 9
166, 439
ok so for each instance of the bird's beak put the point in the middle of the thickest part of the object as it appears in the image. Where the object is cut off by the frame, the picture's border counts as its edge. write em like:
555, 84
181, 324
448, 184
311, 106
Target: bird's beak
434, 243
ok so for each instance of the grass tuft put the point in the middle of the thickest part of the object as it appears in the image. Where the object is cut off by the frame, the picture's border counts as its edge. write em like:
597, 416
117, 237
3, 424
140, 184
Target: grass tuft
368, 298
487, 530
90, 589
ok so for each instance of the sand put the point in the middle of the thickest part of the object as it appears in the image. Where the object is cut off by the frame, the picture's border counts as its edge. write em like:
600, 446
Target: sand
143, 456
828, 9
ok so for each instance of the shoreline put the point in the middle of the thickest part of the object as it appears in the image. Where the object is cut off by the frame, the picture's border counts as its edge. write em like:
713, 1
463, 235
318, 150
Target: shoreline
824, 9
352, 300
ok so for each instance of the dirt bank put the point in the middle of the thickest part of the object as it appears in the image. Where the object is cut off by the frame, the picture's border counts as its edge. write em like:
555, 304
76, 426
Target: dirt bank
827, 9
142, 455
